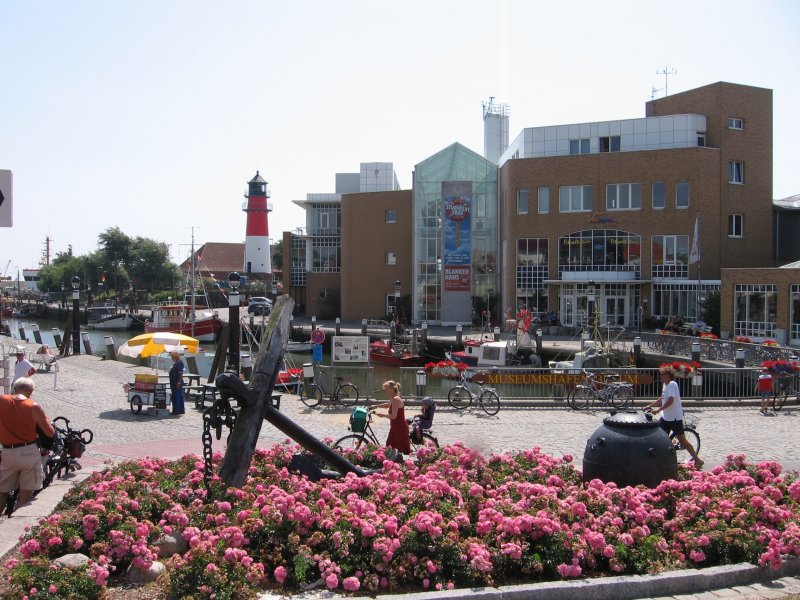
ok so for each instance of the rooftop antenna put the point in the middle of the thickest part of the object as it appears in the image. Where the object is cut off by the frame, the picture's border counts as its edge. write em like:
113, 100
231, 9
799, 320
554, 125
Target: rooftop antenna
653, 92
666, 73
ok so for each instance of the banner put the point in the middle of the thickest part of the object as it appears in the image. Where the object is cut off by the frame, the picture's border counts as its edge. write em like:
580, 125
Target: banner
694, 255
457, 243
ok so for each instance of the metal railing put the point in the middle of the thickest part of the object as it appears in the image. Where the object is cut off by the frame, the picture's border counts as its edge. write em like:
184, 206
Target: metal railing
538, 385
714, 349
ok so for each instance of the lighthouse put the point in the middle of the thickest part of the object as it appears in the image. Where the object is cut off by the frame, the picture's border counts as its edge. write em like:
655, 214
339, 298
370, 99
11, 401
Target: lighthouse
256, 246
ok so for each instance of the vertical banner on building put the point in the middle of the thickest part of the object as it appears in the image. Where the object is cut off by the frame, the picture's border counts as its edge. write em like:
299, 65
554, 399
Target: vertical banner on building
457, 237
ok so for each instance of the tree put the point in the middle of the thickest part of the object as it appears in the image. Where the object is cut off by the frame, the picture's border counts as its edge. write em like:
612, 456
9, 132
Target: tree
712, 310
277, 255
149, 264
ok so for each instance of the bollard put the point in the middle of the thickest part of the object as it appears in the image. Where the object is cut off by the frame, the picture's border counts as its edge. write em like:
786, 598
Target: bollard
539, 342
110, 350
37, 335
496, 335
313, 322
696, 351
87, 345
22, 333
459, 335
422, 381
363, 327
338, 326
739, 363
247, 367
56, 337
308, 373
637, 351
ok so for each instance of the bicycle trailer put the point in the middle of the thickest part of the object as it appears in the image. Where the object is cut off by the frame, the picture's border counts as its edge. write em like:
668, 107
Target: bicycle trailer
358, 420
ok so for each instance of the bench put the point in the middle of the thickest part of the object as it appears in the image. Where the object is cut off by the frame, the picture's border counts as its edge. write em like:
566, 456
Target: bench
43, 362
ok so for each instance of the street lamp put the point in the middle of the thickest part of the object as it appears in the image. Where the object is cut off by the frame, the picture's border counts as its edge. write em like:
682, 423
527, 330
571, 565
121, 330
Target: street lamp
234, 279
76, 318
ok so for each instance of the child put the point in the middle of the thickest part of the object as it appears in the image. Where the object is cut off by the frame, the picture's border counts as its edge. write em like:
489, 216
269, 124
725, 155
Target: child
424, 420
764, 388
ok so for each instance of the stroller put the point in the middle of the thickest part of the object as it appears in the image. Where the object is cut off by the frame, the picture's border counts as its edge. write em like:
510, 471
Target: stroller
424, 421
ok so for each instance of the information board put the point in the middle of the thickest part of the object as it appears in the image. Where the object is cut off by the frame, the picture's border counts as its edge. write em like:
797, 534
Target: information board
350, 348
160, 395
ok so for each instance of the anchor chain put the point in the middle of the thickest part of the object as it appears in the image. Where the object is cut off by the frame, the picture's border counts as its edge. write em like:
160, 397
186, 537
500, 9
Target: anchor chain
214, 417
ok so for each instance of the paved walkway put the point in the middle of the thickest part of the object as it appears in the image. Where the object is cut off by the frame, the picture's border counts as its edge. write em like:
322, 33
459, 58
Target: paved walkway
89, 392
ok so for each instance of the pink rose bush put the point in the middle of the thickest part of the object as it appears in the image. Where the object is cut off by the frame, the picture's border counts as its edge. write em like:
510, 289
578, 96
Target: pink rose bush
451, 518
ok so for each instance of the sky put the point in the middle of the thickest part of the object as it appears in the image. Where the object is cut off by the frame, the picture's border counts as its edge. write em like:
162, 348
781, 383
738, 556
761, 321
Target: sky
152, 115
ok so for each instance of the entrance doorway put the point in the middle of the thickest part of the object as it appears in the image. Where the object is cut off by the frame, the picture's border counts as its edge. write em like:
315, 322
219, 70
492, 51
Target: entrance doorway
615, 310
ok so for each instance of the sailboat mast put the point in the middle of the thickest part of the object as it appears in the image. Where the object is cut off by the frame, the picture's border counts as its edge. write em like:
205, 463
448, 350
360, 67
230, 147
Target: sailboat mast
194, 261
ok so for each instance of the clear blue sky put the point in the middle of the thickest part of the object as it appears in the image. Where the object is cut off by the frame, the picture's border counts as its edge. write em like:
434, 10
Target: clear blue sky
152, 115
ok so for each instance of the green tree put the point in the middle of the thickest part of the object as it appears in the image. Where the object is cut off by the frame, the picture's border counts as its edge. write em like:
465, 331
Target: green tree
711, 306
149, 266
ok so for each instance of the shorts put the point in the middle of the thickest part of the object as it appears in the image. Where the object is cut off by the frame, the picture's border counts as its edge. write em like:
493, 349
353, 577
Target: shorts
21, 467
671, 426
766, 394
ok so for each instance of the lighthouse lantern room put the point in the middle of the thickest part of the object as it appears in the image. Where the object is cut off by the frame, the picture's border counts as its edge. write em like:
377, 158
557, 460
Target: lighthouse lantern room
256, 247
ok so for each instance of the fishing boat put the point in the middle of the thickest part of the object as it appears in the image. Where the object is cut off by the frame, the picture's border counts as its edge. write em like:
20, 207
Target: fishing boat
26, 311
189, 316
394, 355
108, 318
486, 351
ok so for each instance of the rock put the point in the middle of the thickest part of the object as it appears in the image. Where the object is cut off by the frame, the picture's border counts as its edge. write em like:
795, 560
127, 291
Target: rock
136, 575
171, 543
71, 561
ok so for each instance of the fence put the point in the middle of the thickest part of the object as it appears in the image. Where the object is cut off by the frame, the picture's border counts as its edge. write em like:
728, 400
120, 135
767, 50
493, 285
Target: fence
552, 384
714, 349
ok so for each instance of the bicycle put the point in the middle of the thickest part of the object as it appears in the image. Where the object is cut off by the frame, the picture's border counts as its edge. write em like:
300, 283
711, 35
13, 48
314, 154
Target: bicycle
786, 392
60, 460
689, 431
461, 397
345, 394
364, 434
615, 393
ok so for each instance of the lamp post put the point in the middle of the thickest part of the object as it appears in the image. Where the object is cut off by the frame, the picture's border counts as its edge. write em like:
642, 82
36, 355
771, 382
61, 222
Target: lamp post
76, 317
63, 297
397, 300
234, 279
590, 303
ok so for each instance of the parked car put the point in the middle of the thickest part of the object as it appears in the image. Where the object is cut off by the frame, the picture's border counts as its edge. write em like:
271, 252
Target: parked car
259, 305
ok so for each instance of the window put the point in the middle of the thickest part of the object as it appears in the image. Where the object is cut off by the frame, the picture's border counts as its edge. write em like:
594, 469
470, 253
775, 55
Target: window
735, 225
623, 196
391, 258
682, 194
735, 171
579, 146
735, 123
609, 144
391, 304
658, 194
522, 201
532, 262
544, 200
391, 216
599, 250
755, 306
575, 198
670, 256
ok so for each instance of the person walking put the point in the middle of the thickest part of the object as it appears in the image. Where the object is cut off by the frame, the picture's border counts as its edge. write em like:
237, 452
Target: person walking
399, 436
23, 367
176, 384
764, 385
21, 466
669, 404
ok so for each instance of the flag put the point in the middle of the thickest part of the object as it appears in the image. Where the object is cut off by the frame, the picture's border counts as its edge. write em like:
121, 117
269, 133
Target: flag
694, 255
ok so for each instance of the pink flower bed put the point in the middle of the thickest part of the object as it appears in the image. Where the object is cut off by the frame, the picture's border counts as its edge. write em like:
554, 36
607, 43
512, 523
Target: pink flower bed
452, 519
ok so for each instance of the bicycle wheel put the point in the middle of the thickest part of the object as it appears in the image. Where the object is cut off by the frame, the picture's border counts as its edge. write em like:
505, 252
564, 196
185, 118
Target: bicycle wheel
693, 438
347, 394
354, 441
428, 441
780, 399
621, 396
581, 397
459, 397
490, 402
311, 395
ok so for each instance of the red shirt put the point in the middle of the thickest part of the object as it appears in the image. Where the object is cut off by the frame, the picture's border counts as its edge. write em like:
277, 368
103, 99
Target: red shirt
17, 425
765, 382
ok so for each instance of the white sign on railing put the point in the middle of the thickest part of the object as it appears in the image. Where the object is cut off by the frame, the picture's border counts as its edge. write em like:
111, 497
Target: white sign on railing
351, 349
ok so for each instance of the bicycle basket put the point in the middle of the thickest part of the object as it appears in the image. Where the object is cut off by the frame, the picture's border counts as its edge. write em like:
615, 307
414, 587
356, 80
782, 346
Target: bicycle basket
358, 420
75, 447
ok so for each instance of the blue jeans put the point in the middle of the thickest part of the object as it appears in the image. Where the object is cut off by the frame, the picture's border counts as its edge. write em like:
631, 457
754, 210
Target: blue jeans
177, 401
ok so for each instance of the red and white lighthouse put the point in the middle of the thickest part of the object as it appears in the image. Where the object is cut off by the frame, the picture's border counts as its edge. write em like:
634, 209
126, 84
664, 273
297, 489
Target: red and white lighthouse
256, 245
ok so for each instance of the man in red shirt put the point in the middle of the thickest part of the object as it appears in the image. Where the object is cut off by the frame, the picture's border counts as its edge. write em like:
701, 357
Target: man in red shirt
22, 464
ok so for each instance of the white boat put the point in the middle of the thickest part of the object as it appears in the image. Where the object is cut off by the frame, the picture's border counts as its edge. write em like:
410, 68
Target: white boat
299, 347
108, 318
592, 356
485, 351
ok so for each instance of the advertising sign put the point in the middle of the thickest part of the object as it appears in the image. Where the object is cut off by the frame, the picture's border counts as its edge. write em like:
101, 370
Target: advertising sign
352, 349
457, 241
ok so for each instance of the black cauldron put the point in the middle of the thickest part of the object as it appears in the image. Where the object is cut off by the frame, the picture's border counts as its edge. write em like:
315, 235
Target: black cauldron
629, 448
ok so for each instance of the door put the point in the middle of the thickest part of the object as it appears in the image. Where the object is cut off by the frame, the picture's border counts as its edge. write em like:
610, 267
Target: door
568, 311
615, 310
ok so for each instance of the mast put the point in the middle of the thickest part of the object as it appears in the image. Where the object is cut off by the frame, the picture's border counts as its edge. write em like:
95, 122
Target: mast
192, 272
